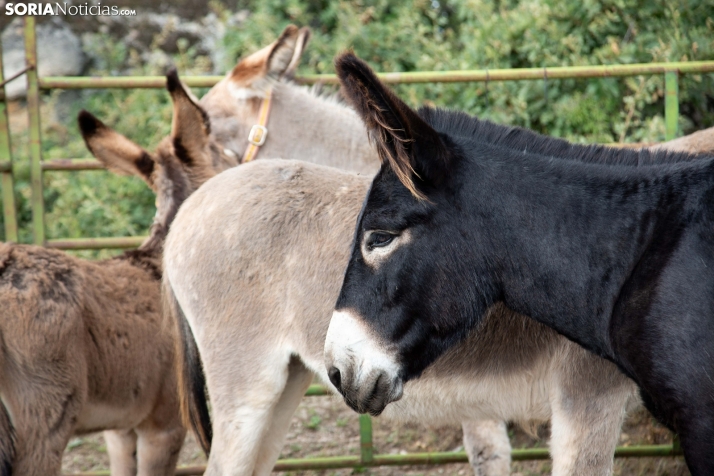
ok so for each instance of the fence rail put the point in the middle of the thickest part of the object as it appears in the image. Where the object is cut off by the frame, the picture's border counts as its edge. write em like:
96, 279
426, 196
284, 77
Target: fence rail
367, 458
481, 75
340, 462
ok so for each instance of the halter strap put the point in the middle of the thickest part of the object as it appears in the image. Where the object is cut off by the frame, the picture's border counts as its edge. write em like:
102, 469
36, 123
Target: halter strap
258, 133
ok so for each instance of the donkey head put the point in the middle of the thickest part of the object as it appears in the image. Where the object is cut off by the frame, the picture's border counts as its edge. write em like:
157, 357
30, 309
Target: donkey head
179, 165
234, 103
397, 310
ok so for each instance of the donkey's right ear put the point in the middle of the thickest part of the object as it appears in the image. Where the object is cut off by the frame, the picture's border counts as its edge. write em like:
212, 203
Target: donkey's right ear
300, 43
404, 141
115, 151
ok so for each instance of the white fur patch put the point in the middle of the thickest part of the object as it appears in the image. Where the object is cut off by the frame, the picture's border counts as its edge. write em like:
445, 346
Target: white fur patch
350, 345
245, 93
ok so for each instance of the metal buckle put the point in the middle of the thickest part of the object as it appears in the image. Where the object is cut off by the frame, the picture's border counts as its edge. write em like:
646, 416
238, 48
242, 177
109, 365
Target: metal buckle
257, 135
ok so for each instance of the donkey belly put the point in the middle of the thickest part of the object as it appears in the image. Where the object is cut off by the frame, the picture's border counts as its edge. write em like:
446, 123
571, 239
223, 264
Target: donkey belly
104, 416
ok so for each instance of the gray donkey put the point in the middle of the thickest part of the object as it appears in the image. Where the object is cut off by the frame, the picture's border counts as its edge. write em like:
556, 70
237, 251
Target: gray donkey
253, 265
83, 348
306, 124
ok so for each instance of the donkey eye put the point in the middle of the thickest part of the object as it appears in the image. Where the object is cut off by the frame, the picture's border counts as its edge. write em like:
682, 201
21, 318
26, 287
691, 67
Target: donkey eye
377, 239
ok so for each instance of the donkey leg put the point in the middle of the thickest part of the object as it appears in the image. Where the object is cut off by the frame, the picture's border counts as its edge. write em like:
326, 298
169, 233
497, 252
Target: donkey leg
242, 408
697, 437
158, 449
588, 405
7, 441
299, 379
121, 448
44, 416
161, 436
488, 448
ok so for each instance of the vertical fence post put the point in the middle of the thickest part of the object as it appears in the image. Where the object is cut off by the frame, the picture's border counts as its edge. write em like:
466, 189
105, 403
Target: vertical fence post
366, 450
8, 187
33, 111
671, 104
676, 445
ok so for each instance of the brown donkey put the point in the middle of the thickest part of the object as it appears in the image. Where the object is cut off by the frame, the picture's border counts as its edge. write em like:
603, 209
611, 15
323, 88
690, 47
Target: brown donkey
83, 348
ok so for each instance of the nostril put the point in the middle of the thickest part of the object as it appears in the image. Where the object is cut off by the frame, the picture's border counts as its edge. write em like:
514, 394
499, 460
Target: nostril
335, 377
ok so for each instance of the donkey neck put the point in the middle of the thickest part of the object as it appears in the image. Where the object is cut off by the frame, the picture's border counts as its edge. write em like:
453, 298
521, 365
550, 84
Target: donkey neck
149, 254
174, 188
306, 126
569, 237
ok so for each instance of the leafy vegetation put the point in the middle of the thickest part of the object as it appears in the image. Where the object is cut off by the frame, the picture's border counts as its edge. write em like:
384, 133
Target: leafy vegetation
97, 203
407, 35
423, 35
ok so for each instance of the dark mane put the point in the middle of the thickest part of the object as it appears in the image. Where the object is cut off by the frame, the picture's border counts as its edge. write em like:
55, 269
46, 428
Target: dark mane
456, 123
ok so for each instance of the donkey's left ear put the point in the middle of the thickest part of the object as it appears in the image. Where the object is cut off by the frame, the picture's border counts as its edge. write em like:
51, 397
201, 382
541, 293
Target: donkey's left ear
404, 141
115, 151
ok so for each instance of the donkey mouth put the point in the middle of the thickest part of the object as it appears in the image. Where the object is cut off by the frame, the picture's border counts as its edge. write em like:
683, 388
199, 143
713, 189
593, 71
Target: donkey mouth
359, 366
371, 396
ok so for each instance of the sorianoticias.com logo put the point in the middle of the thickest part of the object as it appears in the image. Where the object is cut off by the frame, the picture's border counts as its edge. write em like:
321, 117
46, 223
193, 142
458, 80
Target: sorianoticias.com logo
57, 8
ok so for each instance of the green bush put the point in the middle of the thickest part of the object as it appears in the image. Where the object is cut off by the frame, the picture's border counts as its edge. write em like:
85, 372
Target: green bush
421, 35
405, 35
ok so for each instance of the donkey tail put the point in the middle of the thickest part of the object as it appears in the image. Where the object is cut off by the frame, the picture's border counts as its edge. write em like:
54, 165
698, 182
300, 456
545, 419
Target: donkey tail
191, 379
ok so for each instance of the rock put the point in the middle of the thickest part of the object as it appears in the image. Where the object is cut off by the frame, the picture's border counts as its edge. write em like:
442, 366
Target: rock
59, 53
62, 53
154, 37
122, 45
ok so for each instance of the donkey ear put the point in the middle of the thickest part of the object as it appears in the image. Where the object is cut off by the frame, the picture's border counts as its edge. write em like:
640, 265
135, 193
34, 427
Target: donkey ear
300, 44
190, 127
279, 59
115, 151
404, 141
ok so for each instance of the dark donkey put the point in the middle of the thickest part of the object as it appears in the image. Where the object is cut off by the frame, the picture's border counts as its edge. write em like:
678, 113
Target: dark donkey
618, 259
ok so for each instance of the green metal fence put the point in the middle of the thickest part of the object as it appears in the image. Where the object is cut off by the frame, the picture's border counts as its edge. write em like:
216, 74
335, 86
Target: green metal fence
8, 186
367, 456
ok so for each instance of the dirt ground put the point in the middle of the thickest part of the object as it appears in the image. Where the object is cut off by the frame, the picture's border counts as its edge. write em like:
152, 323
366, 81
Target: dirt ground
324, 426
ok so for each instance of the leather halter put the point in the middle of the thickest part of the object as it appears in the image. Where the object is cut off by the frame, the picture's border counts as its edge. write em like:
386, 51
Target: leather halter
258, 133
